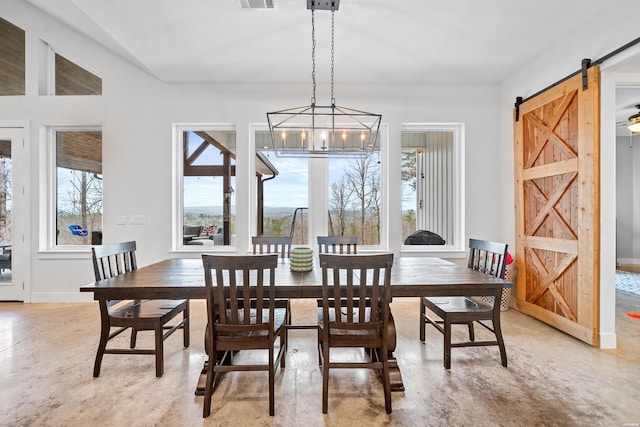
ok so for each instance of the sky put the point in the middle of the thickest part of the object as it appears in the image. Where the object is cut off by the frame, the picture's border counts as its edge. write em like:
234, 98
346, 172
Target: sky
288, 189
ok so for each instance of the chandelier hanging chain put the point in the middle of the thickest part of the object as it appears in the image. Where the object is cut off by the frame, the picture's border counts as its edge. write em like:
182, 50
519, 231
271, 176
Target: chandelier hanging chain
323, 130
313, 53
333, 100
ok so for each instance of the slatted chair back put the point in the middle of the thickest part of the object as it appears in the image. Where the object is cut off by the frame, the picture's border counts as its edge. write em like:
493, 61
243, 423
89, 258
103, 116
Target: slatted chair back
348, 279
242, 315
338, 244
356, 292
267, 244
138, 315
488, 257
231, 281
113, 260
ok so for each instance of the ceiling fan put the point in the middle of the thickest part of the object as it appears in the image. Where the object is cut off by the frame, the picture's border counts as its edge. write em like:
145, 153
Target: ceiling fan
633, 122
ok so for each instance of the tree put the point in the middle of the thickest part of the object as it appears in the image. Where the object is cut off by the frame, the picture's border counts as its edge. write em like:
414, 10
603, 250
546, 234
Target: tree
360, 175
338, 203
5, 196
85, 198
376, 202
276, 227
409, 171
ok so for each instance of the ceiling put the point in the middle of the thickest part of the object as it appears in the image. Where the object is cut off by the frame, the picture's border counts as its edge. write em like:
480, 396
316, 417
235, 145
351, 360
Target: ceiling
407, 41
376, 41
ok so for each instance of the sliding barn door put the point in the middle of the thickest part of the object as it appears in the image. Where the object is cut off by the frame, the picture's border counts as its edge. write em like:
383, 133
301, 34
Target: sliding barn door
557, 206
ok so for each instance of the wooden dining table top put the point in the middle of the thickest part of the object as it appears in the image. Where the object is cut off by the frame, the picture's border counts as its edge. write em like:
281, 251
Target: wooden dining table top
184, 278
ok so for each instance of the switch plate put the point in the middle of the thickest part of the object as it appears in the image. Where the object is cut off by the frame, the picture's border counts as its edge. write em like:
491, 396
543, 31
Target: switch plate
121, 220
137, 220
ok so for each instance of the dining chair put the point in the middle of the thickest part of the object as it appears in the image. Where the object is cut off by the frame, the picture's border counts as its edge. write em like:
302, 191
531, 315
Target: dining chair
338, 244
242, 315
279, 245
334, 245
139, 315
488, 258
267, 244
356, 292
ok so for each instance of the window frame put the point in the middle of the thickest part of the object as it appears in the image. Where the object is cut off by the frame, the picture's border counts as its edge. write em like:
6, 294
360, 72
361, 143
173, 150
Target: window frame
319, 197
177, 207
458, 130
47, 74
48, 226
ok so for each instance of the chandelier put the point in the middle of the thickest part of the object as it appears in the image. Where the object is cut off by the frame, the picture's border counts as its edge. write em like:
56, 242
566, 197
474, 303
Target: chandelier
323, 130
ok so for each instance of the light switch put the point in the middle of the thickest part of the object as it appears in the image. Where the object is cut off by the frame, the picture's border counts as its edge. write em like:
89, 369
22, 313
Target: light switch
121, 220
137, 220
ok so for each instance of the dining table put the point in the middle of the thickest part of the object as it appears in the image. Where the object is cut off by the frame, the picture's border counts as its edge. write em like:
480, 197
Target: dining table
180, 278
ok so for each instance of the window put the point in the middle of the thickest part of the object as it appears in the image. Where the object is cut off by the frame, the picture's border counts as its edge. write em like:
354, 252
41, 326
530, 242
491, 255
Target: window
63, 76
432, 183
78, 186
12, 59
71, 79
319, 195
283, 193
355, 198
207, 203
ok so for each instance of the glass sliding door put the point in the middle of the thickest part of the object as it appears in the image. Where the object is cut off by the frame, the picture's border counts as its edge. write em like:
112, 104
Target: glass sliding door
14, 171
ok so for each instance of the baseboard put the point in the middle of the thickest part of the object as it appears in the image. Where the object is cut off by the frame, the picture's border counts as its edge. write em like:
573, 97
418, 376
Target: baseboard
608, 340
61, 297
628, 261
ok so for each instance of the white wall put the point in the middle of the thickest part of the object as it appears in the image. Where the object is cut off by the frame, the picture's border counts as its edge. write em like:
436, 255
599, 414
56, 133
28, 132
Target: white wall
593, 40
137, 112
625, 154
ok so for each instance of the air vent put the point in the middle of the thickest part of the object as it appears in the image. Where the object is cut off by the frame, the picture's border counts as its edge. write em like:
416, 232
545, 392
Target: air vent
257, 4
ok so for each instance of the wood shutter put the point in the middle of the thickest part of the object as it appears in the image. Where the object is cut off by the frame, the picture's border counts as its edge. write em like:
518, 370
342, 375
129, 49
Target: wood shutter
557, 139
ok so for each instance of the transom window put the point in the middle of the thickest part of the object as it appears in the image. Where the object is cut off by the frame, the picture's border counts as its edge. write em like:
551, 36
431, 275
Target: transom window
12, 59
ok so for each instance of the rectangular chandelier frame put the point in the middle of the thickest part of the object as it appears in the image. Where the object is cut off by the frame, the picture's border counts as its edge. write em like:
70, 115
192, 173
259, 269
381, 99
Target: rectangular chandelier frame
323, 131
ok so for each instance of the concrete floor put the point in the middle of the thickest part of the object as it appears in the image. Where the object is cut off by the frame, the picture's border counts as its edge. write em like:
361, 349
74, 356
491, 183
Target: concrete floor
47, 353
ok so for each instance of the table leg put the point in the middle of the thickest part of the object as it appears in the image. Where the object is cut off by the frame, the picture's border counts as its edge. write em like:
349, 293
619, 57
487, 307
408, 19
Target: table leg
395, 376
202, 379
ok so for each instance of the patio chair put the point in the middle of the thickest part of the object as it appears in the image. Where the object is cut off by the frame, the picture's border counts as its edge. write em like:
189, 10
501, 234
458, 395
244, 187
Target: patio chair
5, 258
77, 230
